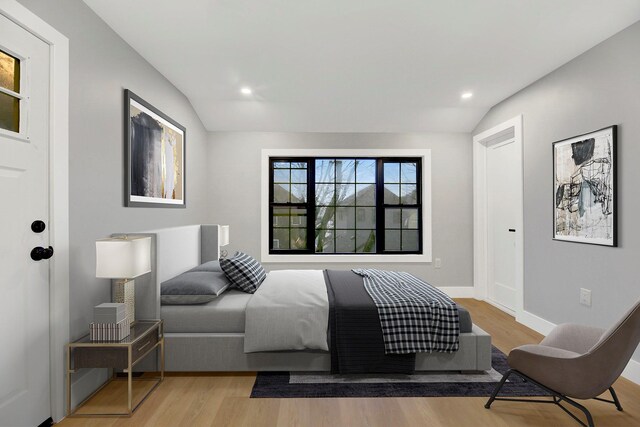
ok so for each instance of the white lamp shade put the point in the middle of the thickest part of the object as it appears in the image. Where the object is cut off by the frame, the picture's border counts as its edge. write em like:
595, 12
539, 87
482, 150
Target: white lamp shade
223, 235
123, 258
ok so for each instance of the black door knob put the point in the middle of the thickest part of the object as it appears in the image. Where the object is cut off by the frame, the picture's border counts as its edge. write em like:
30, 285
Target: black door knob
38, 226
40, 253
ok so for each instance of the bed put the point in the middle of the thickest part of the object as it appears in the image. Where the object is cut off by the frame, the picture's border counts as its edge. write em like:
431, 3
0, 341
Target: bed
211, 337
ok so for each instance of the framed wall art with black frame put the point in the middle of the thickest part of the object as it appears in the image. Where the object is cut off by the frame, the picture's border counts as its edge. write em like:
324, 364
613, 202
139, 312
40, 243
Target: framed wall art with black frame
155, 153
585, 188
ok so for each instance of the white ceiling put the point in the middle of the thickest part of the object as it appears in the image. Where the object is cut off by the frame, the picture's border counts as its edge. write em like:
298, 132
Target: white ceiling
358, 65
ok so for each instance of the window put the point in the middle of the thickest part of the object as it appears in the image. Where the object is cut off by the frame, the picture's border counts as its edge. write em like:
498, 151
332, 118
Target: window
289, 195
345, 205
9, 92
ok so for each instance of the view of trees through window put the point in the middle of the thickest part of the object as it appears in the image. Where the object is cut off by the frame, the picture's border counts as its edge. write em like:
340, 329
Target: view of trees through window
345, 205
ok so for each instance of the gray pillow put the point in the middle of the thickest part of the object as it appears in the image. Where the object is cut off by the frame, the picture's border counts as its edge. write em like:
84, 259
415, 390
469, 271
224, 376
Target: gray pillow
193, 287
208, 266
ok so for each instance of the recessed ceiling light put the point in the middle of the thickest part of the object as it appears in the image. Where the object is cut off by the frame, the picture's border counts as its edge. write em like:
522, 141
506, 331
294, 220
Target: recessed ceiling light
466, 95
246, 91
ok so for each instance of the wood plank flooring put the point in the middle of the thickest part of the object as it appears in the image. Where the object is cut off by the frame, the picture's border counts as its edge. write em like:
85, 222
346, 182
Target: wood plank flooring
223, 400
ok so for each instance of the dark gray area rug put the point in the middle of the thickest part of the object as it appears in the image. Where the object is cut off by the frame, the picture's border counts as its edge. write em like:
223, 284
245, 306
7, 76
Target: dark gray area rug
423, 384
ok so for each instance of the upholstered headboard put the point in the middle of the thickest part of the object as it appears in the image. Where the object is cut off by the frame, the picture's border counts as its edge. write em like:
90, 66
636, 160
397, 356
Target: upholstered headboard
173, 251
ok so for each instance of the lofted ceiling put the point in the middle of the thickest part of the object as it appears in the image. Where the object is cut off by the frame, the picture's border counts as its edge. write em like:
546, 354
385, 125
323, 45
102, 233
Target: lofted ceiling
358, 65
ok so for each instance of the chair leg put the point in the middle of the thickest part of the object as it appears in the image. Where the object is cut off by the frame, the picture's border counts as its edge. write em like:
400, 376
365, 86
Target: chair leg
615, 399
498, 388
557, 398
575, 404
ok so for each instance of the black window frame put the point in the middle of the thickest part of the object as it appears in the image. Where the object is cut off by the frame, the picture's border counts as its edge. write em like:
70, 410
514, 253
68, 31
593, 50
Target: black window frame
310, 196
380, 208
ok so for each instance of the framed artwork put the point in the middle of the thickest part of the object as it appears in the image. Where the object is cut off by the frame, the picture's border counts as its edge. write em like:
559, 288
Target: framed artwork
155, 156
584, 176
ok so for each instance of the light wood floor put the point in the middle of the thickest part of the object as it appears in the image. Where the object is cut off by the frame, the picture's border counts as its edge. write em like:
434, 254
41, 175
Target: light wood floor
223, 400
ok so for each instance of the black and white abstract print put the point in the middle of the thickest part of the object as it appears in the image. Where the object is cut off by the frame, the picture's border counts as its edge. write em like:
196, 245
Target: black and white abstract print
584, 169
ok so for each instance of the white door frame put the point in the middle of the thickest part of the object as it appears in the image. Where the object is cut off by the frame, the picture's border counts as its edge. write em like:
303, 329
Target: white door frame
480, 213
58, 192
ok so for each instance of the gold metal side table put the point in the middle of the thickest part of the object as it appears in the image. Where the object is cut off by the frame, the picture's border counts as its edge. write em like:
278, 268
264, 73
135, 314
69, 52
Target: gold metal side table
145, 336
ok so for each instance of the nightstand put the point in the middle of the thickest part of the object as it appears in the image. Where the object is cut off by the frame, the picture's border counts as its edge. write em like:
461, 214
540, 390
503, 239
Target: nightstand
145, 336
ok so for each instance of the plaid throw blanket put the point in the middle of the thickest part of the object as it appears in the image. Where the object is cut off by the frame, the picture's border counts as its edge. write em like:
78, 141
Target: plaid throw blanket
415, 316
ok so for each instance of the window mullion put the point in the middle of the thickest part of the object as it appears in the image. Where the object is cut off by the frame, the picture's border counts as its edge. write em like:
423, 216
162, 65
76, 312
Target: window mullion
334, 203
419, 200
380, 212
271, 204
311, 205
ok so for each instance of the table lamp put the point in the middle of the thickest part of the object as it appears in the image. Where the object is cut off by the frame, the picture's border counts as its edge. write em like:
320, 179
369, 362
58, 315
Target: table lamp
123, 258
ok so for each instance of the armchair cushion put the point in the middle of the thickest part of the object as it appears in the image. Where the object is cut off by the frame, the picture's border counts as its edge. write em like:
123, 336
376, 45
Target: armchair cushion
572, 337
532, 353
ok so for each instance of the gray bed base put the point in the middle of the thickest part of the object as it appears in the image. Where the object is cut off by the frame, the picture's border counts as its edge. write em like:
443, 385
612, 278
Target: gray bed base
175, 250
225, 352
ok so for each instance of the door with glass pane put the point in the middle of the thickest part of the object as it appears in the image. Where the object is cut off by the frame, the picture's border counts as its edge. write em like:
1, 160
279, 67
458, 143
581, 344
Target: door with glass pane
24, 191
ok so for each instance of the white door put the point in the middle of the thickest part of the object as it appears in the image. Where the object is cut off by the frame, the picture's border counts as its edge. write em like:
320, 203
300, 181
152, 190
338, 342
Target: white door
24, 198
502, 199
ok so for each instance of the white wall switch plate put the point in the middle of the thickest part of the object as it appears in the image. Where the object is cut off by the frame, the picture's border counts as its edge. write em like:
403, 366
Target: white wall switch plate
585, 297
438, 263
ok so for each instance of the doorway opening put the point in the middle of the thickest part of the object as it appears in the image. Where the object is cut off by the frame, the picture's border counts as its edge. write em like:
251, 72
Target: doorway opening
498, 268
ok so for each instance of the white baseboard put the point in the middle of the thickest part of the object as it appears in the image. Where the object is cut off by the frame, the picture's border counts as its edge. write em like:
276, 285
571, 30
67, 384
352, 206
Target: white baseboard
632, 371
542, 326
458, 291
536, 323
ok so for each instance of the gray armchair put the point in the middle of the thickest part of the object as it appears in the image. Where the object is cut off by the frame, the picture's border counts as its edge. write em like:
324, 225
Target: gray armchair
576, 361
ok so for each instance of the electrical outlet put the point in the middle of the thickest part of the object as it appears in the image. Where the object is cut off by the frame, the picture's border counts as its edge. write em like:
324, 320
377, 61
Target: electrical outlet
438, 263
585, 297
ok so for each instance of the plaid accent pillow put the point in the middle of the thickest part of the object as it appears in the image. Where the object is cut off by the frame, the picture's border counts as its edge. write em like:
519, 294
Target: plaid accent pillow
243, 271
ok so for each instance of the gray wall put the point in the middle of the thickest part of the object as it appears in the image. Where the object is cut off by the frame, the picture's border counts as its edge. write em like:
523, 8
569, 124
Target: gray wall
235, 186
102, 65
595, 90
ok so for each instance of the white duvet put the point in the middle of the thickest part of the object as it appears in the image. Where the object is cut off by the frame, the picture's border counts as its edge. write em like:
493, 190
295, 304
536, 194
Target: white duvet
289, 311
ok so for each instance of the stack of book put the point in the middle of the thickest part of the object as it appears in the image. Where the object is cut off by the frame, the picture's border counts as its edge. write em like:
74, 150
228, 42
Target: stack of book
110, 322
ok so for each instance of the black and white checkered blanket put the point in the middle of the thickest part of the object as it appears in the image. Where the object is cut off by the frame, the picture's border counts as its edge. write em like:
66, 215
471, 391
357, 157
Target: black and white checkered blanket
415, 316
